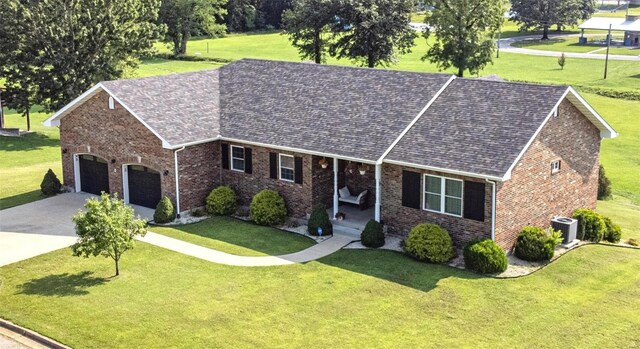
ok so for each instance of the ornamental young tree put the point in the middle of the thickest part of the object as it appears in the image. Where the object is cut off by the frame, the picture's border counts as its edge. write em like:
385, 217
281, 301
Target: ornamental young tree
463, 31
308, 26
61, 48
108, 228
378, 30
182, 17
542, 14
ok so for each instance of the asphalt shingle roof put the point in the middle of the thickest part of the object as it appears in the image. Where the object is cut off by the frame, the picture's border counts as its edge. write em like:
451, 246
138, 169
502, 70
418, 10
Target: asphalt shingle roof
181, 108
477, 126
351, 112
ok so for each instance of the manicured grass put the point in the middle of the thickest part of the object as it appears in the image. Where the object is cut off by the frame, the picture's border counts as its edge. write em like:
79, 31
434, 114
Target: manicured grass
236, 237
26, 159
571, 44
351, 299
623, 212
155, 66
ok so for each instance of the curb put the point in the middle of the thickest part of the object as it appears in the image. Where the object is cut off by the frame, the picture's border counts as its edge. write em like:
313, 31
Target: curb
47, 342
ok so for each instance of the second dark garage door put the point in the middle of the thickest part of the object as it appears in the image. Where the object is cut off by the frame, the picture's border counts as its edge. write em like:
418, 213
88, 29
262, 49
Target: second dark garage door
144, 186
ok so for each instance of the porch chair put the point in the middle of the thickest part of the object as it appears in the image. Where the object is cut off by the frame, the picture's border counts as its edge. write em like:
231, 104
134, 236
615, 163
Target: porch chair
360, 199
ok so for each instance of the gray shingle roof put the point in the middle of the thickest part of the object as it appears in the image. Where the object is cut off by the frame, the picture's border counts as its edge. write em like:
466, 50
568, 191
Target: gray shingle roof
351, 112
477, 126
180, 108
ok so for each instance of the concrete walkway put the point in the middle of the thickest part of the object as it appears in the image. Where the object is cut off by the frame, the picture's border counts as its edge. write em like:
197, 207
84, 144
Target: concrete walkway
505, 46
320, 250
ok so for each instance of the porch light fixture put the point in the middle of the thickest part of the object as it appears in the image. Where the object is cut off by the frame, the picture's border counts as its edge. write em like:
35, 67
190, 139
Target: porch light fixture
323, 162
362, 169
65, 150
166, 172
113, 161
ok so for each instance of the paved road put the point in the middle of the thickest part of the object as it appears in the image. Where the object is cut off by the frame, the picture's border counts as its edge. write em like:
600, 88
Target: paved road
505, 46
42, 226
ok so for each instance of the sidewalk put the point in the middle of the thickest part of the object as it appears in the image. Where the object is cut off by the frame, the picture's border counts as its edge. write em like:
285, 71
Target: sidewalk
320, 250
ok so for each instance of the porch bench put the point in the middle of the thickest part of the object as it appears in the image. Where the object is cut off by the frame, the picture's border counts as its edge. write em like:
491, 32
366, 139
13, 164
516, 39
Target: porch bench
359, 200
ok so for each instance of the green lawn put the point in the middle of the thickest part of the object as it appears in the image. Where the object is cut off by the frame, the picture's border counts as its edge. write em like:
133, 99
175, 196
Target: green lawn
233, 236
571, 44
623, 212
353, 298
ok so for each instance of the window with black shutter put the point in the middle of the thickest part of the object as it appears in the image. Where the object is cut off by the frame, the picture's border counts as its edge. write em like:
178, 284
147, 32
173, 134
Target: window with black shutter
248, 161
411, 189
224, 149
298, 170
474, 197
273, 165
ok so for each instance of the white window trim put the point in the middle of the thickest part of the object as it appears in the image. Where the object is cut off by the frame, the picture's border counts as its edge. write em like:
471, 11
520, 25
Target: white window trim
555, 169
443, 196
112, 103
280, 167
232, 157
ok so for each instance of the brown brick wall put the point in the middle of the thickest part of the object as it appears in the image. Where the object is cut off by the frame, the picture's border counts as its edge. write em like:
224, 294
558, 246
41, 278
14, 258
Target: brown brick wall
93, 128
298, 197
322, 185
401, 219
534, 195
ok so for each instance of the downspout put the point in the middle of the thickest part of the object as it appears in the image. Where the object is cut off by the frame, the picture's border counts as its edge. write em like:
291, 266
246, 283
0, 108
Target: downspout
175, 160
493, 209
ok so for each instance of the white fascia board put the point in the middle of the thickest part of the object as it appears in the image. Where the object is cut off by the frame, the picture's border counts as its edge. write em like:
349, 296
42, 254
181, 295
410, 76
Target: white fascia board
406, 129
54, 120
173, 147
443, 170
297, 150
606, 131
507, 175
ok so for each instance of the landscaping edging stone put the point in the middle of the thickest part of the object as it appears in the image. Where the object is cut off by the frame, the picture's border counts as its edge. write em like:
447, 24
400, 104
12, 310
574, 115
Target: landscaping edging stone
35, 336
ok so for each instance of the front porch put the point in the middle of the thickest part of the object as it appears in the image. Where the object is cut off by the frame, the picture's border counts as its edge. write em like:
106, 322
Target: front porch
353, 222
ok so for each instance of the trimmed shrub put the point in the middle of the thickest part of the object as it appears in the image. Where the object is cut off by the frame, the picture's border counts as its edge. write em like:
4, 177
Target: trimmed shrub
372, 235
591, 226
50, 184
613, 231
429, 242
604, 185
485, 256
319, 219
222, 201
268, 208
165, 212
534, 244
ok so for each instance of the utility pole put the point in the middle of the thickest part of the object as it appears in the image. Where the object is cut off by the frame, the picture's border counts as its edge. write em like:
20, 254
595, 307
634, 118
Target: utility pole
606, 59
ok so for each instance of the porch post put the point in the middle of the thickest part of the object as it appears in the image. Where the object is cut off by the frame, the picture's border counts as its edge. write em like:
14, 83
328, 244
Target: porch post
335, 187
378, 193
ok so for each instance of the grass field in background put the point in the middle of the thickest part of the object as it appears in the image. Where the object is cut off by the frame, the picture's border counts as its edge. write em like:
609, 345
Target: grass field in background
570, 44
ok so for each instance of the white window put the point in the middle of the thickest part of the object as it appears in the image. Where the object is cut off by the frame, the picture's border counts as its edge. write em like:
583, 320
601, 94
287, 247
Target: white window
555, 166
287, 172
112, 103
237, 158
443, 195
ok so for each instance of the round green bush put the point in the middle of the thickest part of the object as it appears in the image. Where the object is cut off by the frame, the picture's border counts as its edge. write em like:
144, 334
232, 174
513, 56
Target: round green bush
591, 226
614, 232
429, 242
222, 201
485, 256
604, 185
533, 244
268, 208
50, 184
319, 219
372, 235
165, 212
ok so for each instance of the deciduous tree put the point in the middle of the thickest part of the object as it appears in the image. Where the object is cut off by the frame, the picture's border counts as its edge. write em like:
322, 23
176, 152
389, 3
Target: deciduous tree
308, 26
463, 31
108, 228
542, 14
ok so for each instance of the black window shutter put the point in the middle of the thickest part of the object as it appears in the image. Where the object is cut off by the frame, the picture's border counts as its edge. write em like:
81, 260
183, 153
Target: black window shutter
248, 162
273, 165
225, 156
298, 169
474, 200
411, 190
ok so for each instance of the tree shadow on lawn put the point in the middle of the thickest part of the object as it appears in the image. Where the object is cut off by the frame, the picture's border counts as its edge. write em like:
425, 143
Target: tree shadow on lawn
395, 267
62, 285
29, 141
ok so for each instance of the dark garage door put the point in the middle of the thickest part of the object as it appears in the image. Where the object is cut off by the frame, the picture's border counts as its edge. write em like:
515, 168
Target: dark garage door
144, 186
94, 175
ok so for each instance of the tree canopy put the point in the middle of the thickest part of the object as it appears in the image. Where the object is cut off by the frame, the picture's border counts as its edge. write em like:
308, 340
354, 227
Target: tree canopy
308, 26
542, 14
464, 31
376, 31
185, 17
108, 228
55, 50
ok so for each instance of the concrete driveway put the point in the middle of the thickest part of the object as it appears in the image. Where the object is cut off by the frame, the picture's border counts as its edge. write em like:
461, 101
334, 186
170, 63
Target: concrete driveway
42, 226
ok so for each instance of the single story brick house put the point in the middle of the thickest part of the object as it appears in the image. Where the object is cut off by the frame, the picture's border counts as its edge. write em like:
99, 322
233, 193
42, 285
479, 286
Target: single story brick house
481, 158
